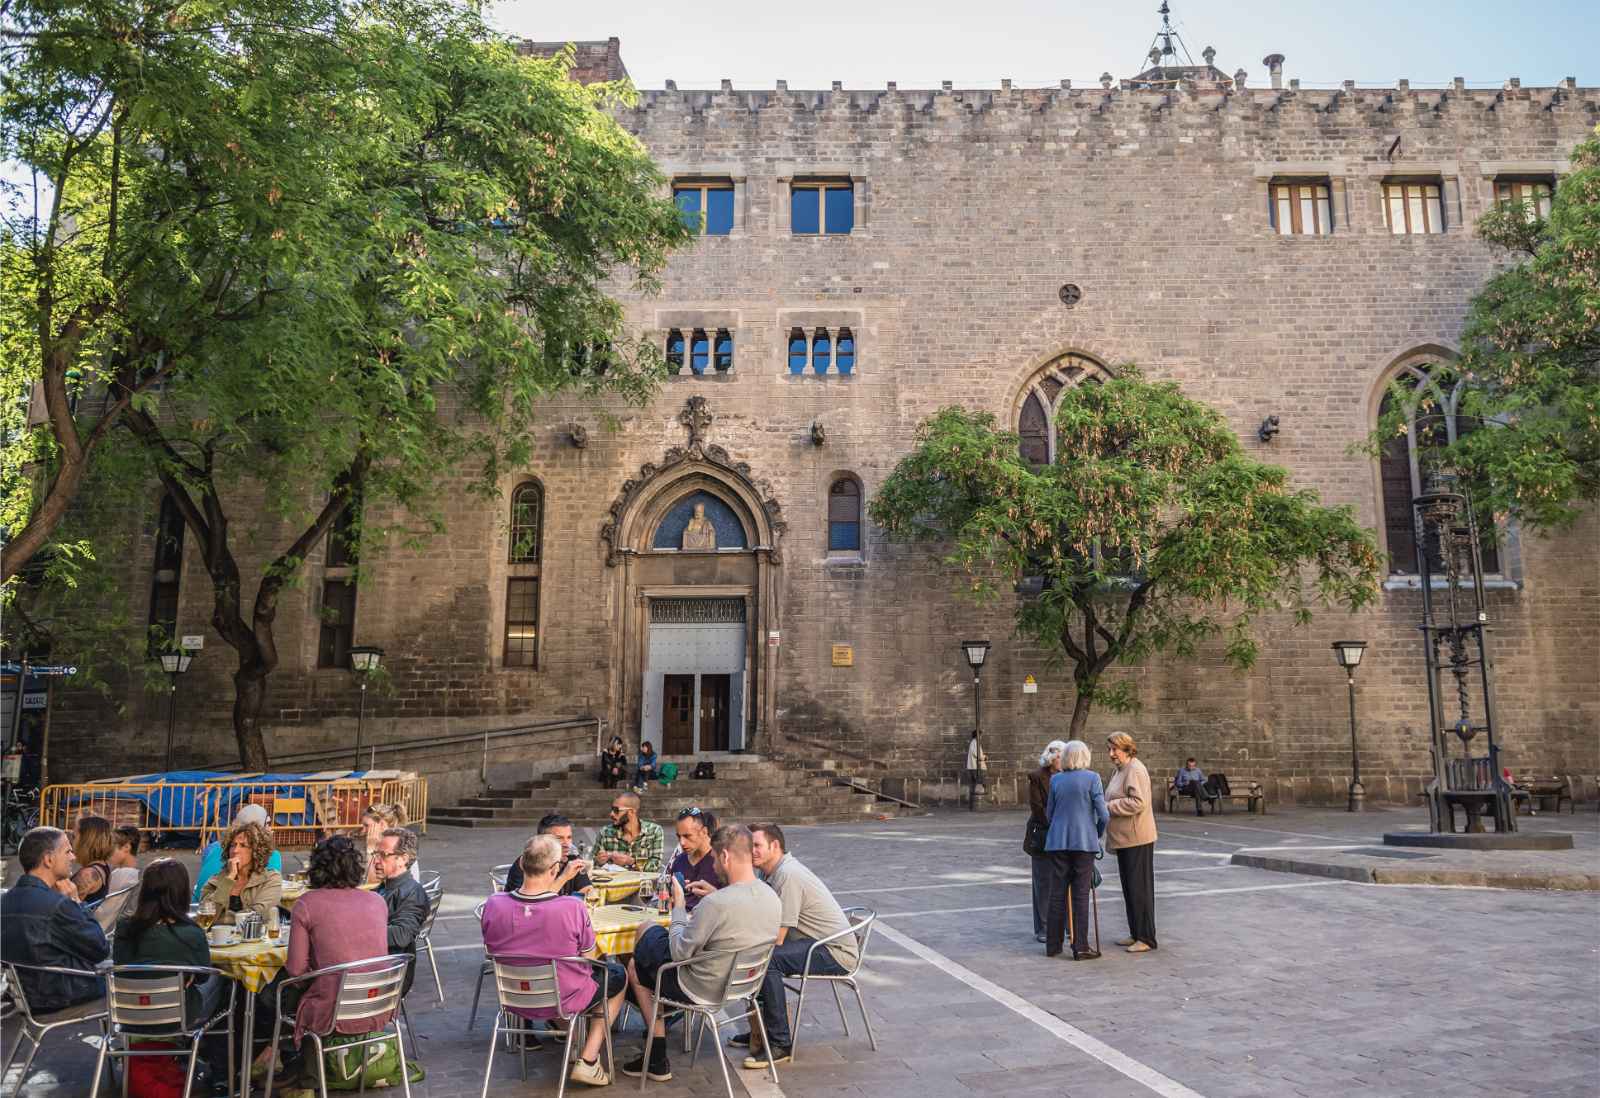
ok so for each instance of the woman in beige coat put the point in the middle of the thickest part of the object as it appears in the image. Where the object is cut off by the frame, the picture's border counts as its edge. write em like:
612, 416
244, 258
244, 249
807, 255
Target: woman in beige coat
1132, 834
245, 883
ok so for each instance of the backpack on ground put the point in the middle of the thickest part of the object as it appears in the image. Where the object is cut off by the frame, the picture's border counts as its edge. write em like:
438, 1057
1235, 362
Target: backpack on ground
705, 770
667, 774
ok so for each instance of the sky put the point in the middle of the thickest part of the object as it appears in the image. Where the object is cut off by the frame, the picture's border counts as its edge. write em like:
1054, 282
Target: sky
977, 43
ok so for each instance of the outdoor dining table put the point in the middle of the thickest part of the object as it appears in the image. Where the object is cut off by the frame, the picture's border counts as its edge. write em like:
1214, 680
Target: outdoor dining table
617, 885
617, 925
252, 965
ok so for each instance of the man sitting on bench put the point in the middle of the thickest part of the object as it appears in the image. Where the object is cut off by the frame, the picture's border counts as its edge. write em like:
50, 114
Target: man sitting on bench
1191, 782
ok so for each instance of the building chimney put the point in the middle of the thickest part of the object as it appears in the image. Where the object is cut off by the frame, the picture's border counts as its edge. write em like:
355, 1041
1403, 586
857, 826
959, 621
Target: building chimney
1274, 64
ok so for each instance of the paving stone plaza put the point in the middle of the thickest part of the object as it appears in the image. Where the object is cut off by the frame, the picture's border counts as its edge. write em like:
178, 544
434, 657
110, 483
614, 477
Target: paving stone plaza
1266, 983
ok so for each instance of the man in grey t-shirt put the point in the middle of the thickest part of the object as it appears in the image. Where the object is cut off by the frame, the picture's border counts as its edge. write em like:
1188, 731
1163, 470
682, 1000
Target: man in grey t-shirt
809, 913
740, 915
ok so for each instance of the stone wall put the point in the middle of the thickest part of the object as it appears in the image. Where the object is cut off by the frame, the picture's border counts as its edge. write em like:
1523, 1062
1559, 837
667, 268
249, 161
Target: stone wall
972, 209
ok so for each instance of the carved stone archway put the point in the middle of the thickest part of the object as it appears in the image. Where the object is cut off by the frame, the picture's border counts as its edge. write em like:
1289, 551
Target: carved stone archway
644, 574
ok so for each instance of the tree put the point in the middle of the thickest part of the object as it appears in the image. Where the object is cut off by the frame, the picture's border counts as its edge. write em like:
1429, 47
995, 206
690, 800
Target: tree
172, 156
1151, 532
449, 272
1531, 359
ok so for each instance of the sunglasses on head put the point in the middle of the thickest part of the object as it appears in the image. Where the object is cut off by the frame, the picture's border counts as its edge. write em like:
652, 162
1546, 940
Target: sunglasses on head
684, 814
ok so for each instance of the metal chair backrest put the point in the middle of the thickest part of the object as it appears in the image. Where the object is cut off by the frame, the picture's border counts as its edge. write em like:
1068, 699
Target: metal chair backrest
526, 984
367, 994
19, 991
435, 893
740, 972
862, 919
497, 877
151, 995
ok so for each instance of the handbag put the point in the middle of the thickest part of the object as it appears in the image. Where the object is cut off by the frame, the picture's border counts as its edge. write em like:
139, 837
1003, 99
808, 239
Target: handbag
1033, 837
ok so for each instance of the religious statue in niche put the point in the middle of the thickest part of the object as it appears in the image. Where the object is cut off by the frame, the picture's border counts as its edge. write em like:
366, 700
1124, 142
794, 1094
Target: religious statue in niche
699, 534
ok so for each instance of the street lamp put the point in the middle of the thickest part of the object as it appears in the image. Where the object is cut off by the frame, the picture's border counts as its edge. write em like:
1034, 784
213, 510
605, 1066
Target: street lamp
1348, 653
174, 664
364, 660
975, 652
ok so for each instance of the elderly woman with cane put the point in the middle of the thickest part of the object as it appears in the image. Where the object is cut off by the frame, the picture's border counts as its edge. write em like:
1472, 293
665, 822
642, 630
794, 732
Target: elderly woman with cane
1132, 834
1078, 816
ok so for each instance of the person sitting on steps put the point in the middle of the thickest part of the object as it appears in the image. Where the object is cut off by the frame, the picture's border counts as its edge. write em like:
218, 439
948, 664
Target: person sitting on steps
645, 773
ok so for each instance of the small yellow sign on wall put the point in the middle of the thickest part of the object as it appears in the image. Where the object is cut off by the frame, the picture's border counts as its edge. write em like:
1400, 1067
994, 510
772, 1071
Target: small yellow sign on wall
844, 655
1030, 685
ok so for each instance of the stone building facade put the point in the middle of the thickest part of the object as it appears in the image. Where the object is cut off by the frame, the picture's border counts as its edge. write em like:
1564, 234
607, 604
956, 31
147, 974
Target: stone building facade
1278, 252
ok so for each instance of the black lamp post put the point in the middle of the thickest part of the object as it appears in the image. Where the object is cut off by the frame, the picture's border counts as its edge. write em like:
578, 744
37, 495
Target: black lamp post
1348, 653
174, 664
975, 652
364, 660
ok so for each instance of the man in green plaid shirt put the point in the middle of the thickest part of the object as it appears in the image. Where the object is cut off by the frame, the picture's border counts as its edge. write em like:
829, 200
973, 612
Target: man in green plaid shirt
627, 840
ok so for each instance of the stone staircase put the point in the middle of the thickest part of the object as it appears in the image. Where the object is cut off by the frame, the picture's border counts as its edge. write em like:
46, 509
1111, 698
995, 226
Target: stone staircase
746, 788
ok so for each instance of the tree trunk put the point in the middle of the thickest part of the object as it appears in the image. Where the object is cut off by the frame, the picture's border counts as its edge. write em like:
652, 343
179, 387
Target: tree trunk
43, 522
249, 693
1080, 714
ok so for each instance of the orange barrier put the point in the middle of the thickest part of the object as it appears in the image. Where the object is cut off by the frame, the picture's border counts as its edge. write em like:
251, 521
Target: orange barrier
299, 809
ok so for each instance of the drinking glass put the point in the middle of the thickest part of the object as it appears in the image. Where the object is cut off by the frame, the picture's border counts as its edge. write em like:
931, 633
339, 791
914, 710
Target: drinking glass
272, 922
206, 915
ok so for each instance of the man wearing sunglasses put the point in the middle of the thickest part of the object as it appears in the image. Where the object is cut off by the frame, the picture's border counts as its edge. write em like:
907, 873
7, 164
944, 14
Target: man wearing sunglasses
628, 841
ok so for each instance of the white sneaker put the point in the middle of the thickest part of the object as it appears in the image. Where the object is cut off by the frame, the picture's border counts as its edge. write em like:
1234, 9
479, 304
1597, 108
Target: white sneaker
592, 1074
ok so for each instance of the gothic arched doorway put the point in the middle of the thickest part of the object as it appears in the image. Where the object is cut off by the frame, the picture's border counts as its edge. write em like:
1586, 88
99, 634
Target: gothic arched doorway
694, 544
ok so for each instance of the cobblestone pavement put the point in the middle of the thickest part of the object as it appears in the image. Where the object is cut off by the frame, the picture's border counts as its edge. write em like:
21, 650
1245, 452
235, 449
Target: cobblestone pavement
1265, 984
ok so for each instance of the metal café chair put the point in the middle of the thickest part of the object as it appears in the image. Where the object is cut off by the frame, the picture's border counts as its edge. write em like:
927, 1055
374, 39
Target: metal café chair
497, 877
523, 983
149, 1003
366, 990
739, 973
35, 1027
434, 887
861, 923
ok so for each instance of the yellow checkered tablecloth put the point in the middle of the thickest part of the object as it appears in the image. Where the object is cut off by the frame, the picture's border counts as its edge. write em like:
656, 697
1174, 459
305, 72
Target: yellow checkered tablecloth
615, 927
252, 964
619, 885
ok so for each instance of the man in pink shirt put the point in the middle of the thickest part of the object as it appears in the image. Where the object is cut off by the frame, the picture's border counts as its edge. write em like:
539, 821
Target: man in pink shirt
534, 924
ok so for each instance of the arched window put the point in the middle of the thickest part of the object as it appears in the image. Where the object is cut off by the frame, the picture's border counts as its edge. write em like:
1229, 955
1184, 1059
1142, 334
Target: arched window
699, 352
724, 351
797, 351
522, 582
164, 583
844, 516
527, 521
1430, 399
821, 350
1036, 406
675, 351
846, 358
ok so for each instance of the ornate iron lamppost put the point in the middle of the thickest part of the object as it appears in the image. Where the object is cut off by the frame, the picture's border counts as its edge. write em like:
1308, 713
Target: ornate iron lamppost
364, 660
1348, 653
174, 664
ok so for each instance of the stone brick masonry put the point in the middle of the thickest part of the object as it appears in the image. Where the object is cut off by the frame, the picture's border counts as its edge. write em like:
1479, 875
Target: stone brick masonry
972, 209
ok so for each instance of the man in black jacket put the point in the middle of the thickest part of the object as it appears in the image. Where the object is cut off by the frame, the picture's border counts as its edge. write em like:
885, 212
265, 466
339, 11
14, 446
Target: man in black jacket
42, 923
407, 899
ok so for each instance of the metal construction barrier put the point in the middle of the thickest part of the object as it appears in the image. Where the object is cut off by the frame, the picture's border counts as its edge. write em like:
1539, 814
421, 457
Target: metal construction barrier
300, 807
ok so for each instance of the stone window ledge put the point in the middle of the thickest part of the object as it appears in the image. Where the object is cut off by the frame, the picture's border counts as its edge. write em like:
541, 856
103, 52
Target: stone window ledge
841, 560
1412, 583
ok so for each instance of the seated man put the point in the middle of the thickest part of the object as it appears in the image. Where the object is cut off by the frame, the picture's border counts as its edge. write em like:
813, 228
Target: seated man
809, 913
741, 914
534, 924
694, 863
1191, 782
628, 841
42, 923
407, 900
573, 880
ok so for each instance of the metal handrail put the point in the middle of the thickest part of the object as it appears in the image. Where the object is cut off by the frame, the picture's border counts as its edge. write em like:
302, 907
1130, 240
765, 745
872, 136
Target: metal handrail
484, 736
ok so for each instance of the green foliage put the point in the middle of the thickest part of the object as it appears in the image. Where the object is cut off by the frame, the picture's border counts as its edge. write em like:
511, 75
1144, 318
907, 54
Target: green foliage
302, 249
1531, 357
1152, 532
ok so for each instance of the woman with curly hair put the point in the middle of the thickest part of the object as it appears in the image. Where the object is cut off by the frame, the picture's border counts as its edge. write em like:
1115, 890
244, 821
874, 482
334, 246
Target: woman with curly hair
245, 883
335, 921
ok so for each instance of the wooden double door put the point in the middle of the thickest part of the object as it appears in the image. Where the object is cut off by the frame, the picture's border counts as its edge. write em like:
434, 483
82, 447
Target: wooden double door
678, 712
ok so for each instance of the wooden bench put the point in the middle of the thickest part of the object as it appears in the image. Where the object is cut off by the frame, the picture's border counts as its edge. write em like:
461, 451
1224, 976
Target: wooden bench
1532, 791
1248, 790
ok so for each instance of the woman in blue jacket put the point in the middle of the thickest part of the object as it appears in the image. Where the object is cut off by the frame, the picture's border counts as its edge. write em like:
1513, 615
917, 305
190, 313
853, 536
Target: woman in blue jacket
1077, 814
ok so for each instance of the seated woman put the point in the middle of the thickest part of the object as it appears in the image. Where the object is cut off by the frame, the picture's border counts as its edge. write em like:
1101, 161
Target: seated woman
157, 930
245, 883
92, 844
122, 891
645, 773
613, 764
334, 922
211, 857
